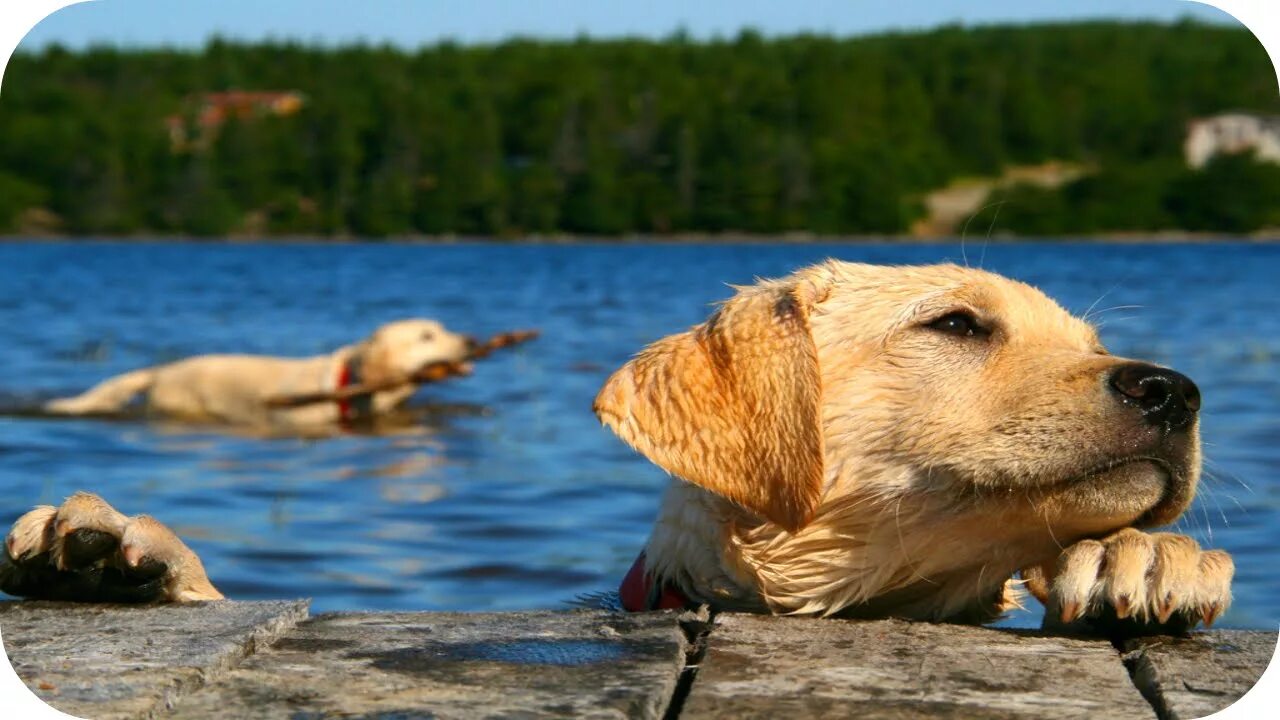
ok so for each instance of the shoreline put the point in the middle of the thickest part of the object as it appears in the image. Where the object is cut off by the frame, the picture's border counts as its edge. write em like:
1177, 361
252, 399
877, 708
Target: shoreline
1158, 237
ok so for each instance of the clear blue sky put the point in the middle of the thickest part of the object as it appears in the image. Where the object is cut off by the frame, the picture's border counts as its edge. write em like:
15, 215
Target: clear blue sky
411, 23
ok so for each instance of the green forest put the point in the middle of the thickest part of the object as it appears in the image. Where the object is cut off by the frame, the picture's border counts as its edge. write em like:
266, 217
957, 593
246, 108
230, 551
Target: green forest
610, 137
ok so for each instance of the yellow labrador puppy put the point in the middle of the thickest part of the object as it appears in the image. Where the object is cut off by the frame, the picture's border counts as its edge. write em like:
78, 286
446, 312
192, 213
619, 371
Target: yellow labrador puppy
234, 388
900, 441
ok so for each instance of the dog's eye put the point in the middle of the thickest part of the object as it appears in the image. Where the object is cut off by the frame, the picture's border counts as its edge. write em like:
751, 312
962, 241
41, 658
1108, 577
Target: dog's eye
428, 336
960, 323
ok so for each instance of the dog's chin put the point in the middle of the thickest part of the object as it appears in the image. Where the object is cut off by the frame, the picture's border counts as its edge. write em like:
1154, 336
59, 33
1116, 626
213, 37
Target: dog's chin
1141, 491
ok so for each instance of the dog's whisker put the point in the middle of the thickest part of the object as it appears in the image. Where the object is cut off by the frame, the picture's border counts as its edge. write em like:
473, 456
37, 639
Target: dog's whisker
1212, 495
964, 232
1125, 278
1243, 509
1052, 536
1208, 524
1087, 314
987, 241
1115, 320
981, 571
1222, 513
1113, 308
902, 543
1219, 470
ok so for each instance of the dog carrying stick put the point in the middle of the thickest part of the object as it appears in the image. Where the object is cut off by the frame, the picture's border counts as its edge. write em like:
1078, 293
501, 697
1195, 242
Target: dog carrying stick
433, 372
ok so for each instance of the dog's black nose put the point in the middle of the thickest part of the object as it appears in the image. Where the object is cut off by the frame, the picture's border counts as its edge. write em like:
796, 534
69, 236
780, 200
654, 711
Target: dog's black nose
1164, 396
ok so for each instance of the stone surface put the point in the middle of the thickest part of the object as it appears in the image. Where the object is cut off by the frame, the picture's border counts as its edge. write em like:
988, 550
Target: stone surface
260, 660
122, 661
1197, 676
762, 667
457, 665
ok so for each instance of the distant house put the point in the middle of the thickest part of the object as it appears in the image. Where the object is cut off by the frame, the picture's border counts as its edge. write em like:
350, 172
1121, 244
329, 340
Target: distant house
205, 114
1232, 133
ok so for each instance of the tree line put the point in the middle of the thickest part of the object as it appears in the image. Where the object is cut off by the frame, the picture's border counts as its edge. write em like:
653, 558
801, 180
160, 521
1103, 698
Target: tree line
608, 137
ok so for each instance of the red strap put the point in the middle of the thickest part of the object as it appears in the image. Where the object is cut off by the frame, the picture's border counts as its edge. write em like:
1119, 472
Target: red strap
639, 594
344, 404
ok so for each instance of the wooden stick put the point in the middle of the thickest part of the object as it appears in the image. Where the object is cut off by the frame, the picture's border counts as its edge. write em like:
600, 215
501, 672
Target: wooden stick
433, 372
502, 340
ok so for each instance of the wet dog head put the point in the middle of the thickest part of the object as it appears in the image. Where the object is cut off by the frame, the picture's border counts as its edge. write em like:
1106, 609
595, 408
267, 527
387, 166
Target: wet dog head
941, 382
403, 347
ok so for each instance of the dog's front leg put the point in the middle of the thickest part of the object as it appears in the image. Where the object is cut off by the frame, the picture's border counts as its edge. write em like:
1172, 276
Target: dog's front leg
1133, 582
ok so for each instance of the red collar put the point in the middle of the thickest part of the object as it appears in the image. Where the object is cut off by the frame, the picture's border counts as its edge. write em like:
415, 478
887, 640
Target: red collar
638, 592
345, 412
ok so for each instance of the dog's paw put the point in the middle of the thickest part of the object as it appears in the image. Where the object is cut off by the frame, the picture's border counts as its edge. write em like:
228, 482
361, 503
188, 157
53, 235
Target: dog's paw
1136, 583
87, 551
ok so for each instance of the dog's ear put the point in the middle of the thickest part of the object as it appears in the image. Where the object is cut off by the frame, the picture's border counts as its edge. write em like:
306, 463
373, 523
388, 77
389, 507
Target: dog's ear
732, 405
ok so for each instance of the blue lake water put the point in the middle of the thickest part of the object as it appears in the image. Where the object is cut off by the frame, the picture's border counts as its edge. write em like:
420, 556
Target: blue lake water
510, 495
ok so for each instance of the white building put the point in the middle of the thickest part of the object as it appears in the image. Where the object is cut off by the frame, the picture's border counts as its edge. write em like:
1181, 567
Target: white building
1232, 133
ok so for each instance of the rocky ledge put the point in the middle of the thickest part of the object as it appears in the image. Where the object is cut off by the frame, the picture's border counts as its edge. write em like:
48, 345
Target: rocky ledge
271, 659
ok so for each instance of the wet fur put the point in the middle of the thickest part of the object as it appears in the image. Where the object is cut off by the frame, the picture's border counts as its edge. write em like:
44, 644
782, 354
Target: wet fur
831, 455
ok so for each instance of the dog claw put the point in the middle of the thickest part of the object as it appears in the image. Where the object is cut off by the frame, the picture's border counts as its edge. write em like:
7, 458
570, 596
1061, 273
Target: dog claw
1210, 613
1070, 612
1148, 582
1122, 606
